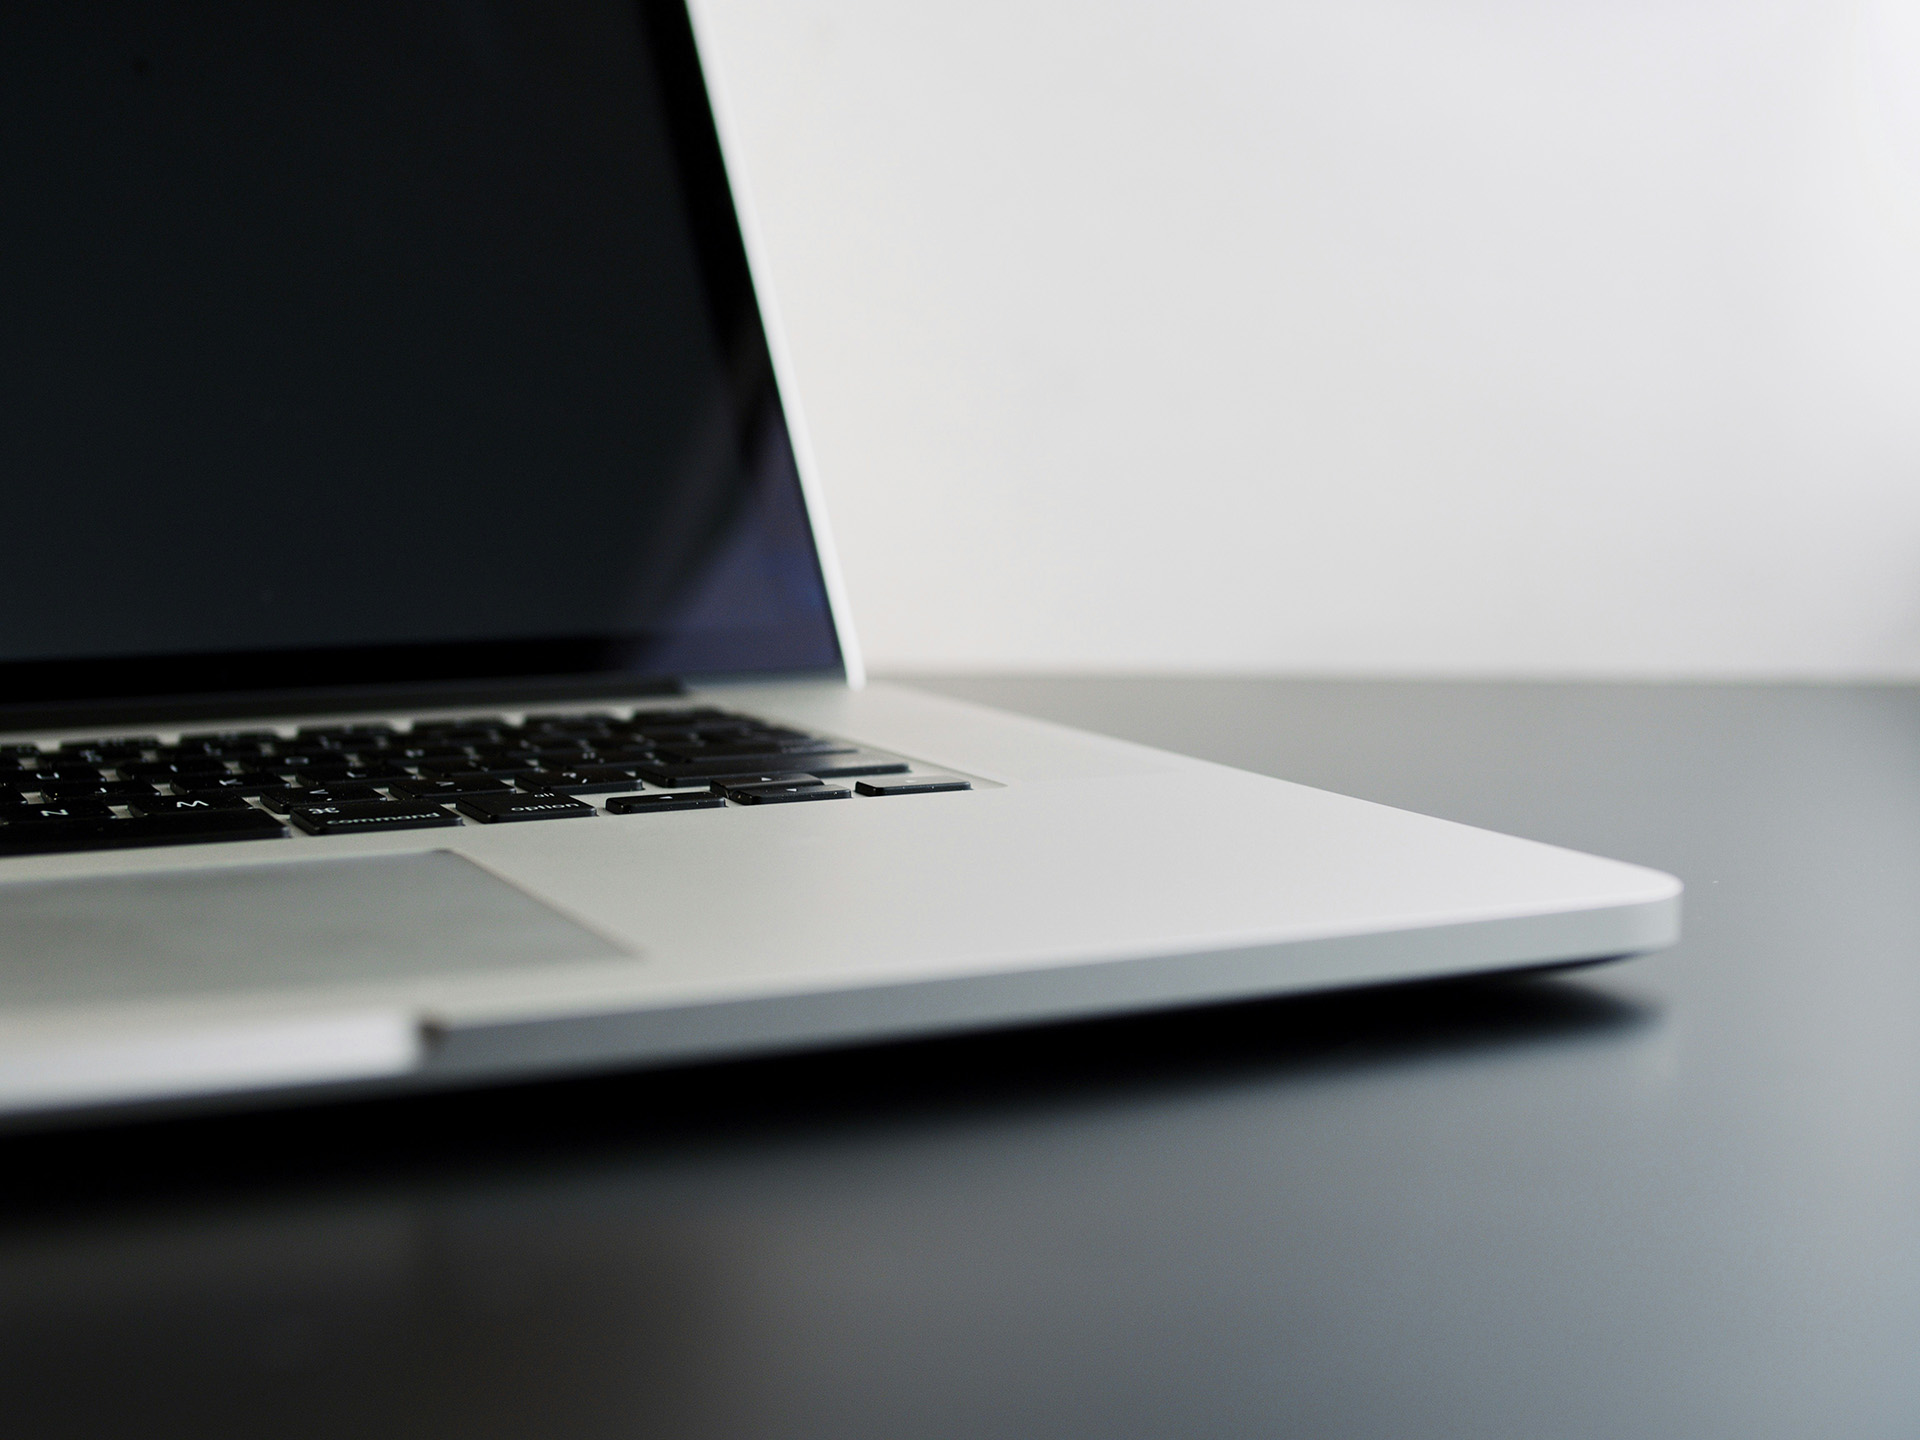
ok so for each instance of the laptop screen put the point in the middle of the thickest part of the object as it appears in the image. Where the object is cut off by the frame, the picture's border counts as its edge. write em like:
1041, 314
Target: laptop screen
352, 343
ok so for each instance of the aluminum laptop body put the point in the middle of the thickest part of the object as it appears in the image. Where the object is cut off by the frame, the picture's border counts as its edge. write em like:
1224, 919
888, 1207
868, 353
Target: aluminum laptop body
421, 658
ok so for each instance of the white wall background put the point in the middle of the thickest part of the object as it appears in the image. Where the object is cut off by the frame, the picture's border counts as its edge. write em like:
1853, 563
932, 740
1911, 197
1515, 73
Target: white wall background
1442, 336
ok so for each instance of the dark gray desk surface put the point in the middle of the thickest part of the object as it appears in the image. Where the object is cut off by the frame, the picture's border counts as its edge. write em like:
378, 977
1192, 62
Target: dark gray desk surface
1675, 1197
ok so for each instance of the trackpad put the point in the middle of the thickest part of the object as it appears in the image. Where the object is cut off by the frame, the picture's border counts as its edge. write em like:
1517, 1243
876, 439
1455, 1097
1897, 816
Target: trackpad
272, 927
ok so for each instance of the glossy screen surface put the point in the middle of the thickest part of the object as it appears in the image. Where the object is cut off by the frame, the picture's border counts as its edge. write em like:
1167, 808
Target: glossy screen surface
376, 342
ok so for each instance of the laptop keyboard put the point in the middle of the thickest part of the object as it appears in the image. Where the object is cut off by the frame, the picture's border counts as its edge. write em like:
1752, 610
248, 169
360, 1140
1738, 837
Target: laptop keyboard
137, 790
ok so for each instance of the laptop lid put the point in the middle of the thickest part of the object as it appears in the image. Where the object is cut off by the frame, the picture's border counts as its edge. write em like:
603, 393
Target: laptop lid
381, 352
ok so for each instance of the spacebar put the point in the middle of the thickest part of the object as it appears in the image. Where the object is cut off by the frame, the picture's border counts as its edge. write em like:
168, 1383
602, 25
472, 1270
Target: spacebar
46, 837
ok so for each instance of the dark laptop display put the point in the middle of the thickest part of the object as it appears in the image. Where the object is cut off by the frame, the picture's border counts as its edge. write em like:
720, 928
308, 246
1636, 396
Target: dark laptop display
397, 342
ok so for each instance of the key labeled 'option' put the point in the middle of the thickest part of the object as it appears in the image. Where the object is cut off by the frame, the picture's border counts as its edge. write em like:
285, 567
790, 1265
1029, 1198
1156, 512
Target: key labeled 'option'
501, 809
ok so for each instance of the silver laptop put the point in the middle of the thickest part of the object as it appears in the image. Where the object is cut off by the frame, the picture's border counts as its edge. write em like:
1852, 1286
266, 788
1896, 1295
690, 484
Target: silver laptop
421, 657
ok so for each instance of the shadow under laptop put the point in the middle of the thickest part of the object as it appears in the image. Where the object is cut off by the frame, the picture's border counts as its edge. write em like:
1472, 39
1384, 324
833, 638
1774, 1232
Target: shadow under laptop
813, 1246
1025, 1074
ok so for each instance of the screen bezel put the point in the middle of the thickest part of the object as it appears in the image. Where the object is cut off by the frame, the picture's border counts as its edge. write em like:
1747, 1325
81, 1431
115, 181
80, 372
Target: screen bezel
346, 678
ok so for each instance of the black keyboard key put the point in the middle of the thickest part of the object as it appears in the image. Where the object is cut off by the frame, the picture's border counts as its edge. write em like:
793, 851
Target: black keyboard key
356, 774
648, 804
370, 815
736, 755
17, 750
204, 739
409, 752
770, 777
298, 797
112, 790
272, 771
85, 808
469, 722
731, 763
677, 776
133, 744
588, 719
466, 767
783, 794
249, 784
573, 760
845, 767
623, 754
73, 789
588, 780
482, 754
94, 754
280, 764
168, 769
448, 790
190, 764
690, 730
557, 755
186, 804
496, 809
238, 751
95, 758
910, 785
61, 772
47, 837
759, 747
309, 750
345, 732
